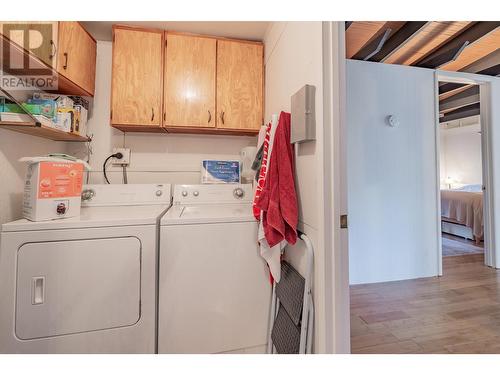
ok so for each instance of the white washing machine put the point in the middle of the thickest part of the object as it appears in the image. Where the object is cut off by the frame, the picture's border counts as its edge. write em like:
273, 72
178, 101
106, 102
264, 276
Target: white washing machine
84, 284
214, 288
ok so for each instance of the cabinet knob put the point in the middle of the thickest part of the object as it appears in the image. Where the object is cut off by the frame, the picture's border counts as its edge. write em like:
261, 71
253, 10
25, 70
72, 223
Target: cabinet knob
222, 117
152, 114
209, 117
65, 66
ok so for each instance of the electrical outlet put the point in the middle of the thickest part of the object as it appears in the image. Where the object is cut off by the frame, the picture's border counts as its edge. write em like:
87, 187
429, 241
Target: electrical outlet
126, 156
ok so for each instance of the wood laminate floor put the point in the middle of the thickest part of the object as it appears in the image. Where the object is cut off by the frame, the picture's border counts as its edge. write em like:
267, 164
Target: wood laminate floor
456, 313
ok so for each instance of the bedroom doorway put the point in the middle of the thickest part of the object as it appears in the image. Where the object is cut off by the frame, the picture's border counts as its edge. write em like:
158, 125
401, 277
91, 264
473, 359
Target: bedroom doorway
462, 173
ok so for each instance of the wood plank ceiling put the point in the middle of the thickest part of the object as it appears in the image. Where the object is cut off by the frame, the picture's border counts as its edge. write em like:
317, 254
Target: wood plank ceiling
464, 46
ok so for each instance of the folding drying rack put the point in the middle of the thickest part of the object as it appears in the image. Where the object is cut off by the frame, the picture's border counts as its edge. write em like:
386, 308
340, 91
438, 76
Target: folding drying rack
291, 321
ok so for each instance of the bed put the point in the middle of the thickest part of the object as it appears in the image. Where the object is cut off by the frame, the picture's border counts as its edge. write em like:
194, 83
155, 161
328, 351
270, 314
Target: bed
462, 212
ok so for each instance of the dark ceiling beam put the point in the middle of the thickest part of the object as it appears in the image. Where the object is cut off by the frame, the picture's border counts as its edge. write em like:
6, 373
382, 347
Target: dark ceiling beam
373, 47
483, 64
445, 57
491, 71
454, 92
468, 111
449, 86
463, 99
454, 47
398, 40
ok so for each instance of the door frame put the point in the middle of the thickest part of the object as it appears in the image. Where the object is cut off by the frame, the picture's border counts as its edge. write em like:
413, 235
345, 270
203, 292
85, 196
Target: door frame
484, 83
337, 307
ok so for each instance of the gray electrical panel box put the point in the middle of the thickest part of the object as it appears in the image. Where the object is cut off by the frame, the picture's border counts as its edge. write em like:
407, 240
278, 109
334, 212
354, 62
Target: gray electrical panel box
303, 115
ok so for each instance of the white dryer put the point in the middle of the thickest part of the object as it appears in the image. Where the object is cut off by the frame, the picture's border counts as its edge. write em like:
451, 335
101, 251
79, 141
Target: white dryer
214, 288
84, 284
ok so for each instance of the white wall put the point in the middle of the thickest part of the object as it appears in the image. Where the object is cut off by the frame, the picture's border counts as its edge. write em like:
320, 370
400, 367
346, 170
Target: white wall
293, 58
391, 173
156, 158
460, 154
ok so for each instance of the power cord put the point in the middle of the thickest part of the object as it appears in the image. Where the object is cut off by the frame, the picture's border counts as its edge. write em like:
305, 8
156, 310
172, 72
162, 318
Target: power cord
118, 156
125, 178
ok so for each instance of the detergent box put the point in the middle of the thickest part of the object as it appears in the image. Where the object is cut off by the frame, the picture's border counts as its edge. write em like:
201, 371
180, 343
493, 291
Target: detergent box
45, 108
61, 101
52, 188
220, 172
65, 120
80, 123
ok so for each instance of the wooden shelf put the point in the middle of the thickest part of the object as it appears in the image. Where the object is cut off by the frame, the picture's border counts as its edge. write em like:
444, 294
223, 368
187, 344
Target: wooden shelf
42, 131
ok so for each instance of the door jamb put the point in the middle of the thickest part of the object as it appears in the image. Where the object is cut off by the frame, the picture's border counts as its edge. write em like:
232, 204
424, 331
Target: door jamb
438, 175
485, 119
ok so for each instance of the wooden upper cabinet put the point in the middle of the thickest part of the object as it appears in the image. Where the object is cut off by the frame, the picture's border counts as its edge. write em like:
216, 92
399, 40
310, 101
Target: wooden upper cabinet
178, 82
189, 94
76, 55
239, 85
137, 78
65, 47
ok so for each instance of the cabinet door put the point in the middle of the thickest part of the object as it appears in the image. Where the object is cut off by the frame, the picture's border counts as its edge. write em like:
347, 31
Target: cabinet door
190, 81
136, 92
76, 55
41, 36
239, 85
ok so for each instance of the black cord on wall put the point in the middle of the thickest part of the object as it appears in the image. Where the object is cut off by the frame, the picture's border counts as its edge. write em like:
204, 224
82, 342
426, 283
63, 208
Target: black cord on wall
118, 155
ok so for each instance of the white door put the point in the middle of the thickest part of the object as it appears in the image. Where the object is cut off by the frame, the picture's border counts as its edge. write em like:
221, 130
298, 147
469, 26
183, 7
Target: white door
68, 287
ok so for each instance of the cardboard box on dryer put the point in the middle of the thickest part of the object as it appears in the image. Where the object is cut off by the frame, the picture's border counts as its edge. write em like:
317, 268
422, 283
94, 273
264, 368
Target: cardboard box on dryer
52, 188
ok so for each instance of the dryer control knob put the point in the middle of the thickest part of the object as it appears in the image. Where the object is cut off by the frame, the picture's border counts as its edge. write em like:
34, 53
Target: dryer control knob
184, 193
196, 193
238, 193
159, 193
88, 194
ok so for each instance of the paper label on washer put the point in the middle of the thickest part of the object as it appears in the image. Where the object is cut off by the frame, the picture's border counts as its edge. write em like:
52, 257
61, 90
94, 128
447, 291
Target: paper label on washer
220, 172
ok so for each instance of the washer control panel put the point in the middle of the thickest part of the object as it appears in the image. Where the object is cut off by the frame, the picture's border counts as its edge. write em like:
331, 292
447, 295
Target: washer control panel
205, 194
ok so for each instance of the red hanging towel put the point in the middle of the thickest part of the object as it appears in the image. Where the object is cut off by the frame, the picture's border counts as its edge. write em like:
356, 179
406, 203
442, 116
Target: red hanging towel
278, 199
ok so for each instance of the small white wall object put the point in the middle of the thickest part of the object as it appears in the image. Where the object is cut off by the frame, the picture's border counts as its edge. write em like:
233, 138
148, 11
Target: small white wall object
393, 121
